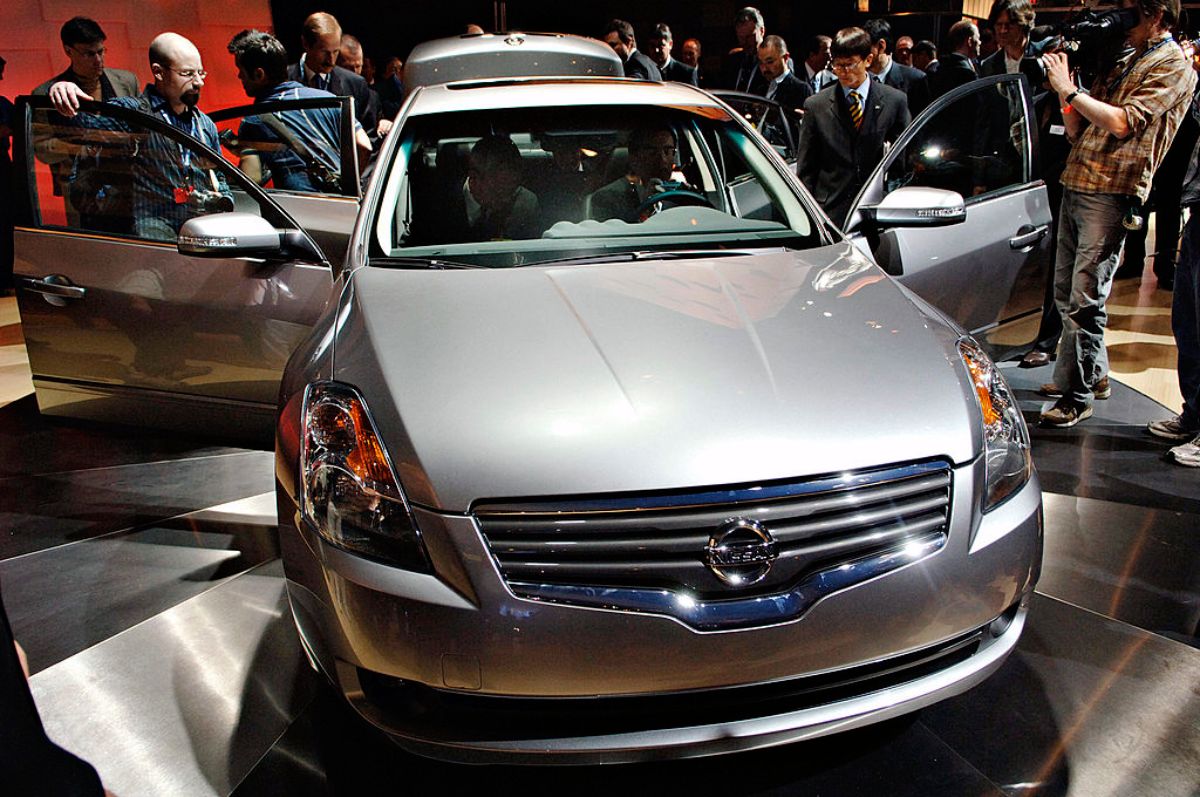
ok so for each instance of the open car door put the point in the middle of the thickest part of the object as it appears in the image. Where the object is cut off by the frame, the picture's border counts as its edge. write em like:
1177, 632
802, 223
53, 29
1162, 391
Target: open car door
955, 212
778, 125
120, 325
319, 190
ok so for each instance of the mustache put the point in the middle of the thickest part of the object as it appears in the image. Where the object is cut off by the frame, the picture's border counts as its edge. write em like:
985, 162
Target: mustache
191, 98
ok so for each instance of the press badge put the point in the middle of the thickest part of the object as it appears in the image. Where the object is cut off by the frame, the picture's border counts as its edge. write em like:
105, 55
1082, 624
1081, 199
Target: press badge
1058, 130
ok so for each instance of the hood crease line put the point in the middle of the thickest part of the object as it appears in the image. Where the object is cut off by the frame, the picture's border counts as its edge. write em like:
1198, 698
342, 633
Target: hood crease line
587, 330
750, 327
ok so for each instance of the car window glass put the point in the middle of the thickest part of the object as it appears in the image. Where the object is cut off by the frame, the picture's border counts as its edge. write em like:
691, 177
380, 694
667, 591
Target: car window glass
293, 146
518, 186
117, 175
976, 145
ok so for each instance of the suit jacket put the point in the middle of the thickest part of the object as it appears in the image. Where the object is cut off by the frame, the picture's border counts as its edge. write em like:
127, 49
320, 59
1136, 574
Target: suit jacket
792, 92
956, 70
390, 92
913, 82
114, 83
740, 66
345, 83
835, 159
820, 80
681, 72
993, 64
639, 65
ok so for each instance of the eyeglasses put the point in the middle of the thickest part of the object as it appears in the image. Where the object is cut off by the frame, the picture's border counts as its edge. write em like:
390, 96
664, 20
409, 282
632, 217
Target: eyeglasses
190, 74
97, 53
844, 67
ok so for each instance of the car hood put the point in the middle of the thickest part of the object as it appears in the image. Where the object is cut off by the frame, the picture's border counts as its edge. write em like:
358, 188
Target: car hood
649, 375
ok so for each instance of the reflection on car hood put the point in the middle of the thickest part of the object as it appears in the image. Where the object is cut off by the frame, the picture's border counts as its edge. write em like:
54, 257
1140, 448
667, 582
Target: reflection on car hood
657, 374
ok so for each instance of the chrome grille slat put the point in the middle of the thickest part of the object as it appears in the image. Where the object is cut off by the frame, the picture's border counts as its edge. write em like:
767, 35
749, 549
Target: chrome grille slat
632, 550
547, 522
825, 532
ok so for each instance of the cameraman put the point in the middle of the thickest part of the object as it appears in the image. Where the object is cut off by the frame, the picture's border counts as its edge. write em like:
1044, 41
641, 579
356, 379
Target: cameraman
1120, 131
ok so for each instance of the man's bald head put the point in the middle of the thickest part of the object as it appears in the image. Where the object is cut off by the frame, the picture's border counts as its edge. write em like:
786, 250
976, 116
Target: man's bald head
169, 48
177, 69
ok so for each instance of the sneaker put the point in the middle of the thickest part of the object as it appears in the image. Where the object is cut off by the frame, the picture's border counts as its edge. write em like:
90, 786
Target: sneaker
1101, 390
1065, 414
1187, 454
1172, 429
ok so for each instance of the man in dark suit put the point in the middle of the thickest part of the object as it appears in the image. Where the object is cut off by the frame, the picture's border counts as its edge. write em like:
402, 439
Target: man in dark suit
1011, 20
846, 126
321, 39
83, 42
619, 36
782, 85
925, 57
740, 70
652, 155
816, 63
661, 43
913, 82
958, 65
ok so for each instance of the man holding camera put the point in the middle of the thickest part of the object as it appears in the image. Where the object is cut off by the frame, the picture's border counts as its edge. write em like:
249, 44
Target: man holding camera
169, 185
1120, 131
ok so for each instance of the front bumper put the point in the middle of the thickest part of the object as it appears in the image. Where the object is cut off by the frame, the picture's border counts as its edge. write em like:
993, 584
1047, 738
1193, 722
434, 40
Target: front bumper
456, 667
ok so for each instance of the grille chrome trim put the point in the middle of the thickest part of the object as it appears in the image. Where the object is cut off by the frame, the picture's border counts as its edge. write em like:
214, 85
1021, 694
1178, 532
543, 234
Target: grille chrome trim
728, 615
829, 534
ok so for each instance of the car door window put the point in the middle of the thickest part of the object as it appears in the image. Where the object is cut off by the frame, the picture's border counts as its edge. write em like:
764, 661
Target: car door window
294, 145
122, 172
978, 144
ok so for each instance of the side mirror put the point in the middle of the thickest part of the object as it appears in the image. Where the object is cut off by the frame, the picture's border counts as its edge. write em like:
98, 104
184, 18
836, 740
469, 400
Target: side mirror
242, 235
917, 207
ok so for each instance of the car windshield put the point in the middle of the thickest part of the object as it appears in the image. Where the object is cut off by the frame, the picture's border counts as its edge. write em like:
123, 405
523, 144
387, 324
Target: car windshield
535, 185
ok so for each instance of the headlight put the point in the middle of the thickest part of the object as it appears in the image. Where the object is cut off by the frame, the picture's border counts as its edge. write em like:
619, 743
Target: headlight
1005, 436
348, 490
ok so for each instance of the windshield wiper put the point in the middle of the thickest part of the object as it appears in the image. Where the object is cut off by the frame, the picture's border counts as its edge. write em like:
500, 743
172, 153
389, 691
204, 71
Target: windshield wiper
422, 262
645, 254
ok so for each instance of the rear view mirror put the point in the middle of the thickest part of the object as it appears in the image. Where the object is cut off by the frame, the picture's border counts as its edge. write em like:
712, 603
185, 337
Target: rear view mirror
918, 207
242, 235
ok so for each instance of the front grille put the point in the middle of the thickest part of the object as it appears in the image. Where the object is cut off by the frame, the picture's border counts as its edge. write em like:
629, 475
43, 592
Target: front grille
648, 553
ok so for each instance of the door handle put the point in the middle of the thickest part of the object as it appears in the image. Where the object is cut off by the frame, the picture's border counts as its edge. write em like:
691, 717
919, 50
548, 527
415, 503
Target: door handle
54, 285
1028, 235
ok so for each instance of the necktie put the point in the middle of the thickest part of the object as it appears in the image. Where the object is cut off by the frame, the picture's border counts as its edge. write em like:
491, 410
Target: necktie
320, 82
856, 109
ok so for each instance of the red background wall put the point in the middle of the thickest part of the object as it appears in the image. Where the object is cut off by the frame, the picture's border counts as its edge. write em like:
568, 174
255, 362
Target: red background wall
29, 38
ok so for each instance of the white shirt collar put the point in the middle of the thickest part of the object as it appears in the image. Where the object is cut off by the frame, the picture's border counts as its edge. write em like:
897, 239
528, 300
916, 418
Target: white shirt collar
882, 76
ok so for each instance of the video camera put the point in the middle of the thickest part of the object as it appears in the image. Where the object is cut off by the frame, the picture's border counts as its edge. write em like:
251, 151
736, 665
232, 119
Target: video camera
1092, 41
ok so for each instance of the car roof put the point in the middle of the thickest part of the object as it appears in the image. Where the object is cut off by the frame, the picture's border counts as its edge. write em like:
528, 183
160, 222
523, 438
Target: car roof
498, 94
498, 55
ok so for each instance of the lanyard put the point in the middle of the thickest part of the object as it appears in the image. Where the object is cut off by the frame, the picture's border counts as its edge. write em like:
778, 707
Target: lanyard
1113, 84
185, 154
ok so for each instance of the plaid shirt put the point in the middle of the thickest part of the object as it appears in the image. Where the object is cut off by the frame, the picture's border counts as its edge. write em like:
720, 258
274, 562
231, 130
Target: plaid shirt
1154, 95
160, 165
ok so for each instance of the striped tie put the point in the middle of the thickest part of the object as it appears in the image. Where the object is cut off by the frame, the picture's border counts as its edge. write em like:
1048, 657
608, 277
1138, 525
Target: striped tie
856, 109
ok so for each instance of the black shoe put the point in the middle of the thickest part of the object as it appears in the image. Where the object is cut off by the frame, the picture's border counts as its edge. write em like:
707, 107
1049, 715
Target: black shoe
1035, 358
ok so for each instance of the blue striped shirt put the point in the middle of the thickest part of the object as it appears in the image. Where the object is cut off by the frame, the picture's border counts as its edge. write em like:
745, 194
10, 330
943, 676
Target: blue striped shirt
161, 165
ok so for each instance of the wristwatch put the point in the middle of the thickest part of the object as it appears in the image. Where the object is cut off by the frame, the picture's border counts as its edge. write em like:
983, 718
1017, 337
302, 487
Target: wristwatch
1071, 97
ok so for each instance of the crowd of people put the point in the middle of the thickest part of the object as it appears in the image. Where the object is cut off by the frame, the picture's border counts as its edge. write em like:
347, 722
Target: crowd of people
1109, 150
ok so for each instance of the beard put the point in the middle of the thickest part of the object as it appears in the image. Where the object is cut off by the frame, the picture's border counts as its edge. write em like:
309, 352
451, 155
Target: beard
191, 98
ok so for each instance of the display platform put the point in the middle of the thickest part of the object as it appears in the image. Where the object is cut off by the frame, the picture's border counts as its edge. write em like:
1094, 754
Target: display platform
141, 574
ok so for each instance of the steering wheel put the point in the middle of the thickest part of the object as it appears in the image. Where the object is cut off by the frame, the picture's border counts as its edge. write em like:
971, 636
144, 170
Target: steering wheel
676, 197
